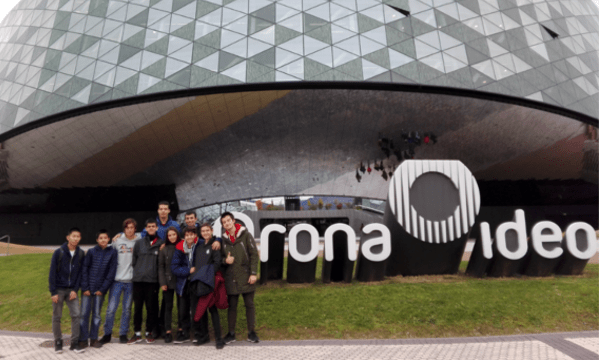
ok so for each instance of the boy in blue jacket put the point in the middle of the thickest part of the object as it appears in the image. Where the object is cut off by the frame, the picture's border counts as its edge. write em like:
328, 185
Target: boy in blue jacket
99, 269
64, 280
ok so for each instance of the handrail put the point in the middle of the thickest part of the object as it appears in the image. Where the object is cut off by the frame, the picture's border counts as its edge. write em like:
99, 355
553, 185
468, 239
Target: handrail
8, 244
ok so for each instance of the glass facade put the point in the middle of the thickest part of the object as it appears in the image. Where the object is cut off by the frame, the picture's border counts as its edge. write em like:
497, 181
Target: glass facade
57, 55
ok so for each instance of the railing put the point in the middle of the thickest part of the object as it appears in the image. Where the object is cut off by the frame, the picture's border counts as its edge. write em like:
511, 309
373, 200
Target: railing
8, 244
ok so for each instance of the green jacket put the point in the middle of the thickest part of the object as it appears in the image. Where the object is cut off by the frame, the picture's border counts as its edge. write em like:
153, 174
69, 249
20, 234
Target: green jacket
245, 263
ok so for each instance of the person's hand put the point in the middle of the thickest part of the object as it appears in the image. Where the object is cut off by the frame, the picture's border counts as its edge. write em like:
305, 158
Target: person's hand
252, 279
216, 246
192, 270
54, 299
98, 293
162, 246
164, 288
86, 293
73, 295
116, 237
229, 259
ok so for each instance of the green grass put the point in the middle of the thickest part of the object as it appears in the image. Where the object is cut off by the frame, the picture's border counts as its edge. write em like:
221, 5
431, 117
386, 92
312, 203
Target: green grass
399, 307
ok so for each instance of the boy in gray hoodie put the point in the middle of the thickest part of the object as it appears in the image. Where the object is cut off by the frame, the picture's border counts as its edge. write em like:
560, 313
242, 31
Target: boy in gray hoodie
122, 285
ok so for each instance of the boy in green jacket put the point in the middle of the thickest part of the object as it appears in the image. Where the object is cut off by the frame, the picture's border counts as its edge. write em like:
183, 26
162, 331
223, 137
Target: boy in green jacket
240, 259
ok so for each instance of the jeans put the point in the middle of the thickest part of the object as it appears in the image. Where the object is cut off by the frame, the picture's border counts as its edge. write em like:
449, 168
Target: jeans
113, 303
73, 305
90, 304
145, 294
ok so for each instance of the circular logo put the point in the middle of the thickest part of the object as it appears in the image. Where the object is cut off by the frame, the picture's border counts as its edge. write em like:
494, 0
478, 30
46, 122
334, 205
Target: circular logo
435, 201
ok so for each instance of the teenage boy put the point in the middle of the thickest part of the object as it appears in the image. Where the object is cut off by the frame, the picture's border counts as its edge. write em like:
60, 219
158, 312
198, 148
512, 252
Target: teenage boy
64, 280
163, 221
99, 269
240, 275
191, 222
122, 284
145, 282
180, 267
206, 263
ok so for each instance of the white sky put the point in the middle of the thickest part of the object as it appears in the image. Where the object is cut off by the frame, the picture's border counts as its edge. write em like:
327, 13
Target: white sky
6, 6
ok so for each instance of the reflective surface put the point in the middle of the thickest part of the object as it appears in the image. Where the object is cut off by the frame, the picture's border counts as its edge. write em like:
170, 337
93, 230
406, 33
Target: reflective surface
243, 145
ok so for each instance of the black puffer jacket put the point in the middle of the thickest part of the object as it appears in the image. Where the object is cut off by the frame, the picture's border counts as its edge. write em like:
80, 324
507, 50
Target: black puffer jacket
145, 260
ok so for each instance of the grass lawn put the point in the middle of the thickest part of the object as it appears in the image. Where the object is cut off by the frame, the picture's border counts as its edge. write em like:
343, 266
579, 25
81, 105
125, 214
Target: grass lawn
399, 307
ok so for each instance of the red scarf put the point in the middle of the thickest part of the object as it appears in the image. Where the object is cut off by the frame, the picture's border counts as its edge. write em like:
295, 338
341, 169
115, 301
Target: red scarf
237, 230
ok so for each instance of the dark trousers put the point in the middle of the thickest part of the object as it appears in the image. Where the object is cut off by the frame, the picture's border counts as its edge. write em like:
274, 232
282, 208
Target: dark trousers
166, 310
232, 311
145, 294
183, 310
201, 327
196, 326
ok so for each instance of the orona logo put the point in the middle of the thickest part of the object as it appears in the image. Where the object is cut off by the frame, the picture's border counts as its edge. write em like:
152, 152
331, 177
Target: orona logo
431, 207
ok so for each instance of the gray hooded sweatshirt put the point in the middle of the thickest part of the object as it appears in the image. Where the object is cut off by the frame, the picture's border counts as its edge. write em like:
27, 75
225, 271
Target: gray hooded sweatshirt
124, 248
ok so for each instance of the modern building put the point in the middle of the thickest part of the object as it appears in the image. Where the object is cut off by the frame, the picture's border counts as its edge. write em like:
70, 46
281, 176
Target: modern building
107, 106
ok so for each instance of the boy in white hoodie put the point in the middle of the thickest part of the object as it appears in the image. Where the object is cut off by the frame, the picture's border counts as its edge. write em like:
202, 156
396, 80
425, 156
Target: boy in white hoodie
122, 284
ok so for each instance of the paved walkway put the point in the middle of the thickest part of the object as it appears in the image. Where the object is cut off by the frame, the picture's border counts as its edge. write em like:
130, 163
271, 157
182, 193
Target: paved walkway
557, 346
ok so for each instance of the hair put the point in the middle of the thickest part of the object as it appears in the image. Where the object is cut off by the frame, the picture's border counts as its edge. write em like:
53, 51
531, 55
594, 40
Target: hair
100, 232
73, 229
164, 203
190, 213
206, 225
227, 213
189, 230
151, 221
129, 221
172, 228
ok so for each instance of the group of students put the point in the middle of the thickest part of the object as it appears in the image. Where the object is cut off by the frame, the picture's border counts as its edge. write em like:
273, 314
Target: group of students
189, 263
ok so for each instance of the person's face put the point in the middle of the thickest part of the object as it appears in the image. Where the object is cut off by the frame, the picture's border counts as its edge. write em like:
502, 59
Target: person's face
190, 220
206, 233
129, 230
228, 223
74, 238
163, 211
102, 240
151, 229
172, 236
189, 238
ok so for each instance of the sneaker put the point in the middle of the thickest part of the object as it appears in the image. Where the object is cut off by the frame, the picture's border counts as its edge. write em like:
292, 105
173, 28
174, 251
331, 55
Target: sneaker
229, 338
95, 344
58, 346
134, 339
76, 348
201, 341
168, 338
252, 337
181, 338
106, 339
83, 344
150, 339
220, 344
123, 339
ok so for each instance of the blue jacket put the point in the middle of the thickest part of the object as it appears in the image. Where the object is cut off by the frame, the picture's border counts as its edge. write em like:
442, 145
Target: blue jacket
180, 266
66, 273
162, 228
99, 269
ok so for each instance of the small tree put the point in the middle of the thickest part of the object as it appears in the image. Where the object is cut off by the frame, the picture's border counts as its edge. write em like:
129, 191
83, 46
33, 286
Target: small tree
320, 203
259, 204
328, 206
339, 206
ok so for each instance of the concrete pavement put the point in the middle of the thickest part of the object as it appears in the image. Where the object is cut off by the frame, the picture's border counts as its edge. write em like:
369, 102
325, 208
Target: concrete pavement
554, 346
